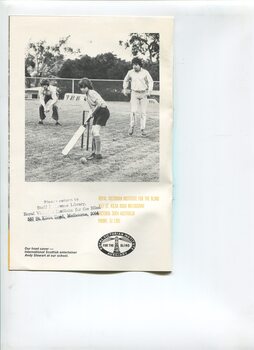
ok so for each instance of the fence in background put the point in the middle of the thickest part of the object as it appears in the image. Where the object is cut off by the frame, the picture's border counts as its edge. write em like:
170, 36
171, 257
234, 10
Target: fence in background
110, 90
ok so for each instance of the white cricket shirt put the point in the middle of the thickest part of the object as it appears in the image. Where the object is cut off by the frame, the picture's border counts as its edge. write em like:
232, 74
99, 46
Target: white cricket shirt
140, 81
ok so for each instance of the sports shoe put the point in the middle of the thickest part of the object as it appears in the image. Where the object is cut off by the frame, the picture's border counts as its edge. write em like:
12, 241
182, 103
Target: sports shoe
57, 123
143, 133
40, 122
91, 156
131, 130
98, 156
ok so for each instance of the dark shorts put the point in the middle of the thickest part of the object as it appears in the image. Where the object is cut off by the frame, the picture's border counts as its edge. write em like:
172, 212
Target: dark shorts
101, 116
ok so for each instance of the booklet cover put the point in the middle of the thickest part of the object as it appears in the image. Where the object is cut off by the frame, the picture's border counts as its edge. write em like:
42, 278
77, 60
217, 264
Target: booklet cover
90, 143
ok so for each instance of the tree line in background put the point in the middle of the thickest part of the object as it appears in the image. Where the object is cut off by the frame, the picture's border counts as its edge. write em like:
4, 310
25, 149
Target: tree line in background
43, 60
103, 66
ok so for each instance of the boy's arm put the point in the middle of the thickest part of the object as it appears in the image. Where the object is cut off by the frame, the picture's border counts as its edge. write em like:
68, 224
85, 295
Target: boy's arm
126, 83
150, 83
91, 113
54, 98
41, 98
90, 116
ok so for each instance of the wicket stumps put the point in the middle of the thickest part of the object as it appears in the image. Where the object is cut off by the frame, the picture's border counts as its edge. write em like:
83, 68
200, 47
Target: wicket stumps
87, 135
87, 131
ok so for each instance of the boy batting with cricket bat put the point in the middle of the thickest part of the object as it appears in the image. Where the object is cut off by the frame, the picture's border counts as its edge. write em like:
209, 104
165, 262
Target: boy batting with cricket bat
99, 114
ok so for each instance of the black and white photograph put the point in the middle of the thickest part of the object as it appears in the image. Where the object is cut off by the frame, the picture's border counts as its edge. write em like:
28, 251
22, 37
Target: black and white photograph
91, 141
92, 104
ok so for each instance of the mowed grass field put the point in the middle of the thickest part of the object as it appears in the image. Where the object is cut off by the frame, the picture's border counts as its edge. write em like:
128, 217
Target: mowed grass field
125, 158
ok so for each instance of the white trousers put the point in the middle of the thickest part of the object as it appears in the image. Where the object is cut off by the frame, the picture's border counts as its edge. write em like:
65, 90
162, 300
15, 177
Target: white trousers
138, 99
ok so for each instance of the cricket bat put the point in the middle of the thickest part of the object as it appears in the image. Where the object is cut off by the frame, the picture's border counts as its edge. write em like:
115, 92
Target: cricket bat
73, 140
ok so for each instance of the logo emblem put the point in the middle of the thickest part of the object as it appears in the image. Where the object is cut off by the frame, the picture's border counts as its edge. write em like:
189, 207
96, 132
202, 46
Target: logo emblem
116, 244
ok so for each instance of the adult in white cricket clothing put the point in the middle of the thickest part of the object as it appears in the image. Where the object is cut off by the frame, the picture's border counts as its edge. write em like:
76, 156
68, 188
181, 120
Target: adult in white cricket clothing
141, 87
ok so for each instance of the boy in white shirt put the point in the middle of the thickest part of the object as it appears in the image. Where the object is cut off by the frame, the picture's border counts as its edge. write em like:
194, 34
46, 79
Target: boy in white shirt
48, 98
141, 87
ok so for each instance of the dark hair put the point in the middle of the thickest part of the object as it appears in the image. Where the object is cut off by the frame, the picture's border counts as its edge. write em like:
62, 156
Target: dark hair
44, 82
31, 63
137, 60
85, 82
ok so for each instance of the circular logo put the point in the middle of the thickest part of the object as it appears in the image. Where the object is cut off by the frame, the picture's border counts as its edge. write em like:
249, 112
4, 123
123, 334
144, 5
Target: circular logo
116, 244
